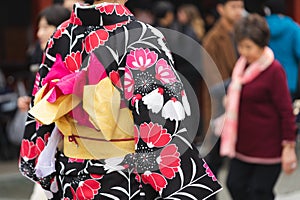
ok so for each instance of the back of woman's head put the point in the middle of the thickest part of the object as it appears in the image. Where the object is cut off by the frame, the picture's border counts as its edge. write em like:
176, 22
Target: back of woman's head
276, 6
161, 8
194, 18
253, 27
190, 10
55, 14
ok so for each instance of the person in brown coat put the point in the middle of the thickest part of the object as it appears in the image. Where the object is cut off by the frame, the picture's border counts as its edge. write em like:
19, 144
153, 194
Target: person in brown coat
219, 44
219, 40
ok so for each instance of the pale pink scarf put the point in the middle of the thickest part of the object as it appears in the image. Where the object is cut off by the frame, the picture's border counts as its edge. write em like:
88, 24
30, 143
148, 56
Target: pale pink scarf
240, 76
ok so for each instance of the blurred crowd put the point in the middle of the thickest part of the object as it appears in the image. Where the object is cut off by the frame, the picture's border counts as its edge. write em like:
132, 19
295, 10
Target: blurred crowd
215, 29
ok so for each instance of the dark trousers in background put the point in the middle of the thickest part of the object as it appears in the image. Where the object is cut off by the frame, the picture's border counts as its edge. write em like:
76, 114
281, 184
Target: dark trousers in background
248, 181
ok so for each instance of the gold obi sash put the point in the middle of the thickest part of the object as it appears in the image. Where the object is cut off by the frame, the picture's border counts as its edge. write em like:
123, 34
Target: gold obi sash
113, 135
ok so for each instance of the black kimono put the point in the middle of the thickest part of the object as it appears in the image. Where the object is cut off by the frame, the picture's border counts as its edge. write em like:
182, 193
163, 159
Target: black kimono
108, 91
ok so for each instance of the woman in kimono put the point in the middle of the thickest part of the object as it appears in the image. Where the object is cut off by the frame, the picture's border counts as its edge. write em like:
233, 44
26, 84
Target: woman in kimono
107, 115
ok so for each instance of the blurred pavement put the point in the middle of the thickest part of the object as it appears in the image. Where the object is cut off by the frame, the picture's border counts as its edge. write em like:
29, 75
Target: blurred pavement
13, 186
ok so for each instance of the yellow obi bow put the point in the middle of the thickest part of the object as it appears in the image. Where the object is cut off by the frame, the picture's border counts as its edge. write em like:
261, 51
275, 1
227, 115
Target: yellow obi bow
112, 134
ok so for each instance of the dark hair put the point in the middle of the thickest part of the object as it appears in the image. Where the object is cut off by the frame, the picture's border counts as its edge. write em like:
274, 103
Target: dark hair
276, 6
55, 14
161, 8
89, 1
225, 1
253, 27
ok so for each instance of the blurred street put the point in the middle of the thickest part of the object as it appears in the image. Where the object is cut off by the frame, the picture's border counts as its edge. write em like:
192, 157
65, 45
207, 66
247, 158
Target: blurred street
13, 186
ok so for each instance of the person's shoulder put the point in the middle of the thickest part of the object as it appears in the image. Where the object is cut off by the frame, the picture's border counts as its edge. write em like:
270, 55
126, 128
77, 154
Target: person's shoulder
289, 22
208, 38
137, 24
151, 29
274, 72
60, 29
276, 66
213, 34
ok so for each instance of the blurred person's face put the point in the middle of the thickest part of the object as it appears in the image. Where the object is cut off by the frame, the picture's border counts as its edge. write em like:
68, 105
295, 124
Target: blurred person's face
250, 50
232, 11
44, 32
182, 17
169, 18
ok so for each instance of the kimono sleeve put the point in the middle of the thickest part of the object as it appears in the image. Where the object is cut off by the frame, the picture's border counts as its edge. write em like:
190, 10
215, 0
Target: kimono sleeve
165, 157
153, 87
36, 135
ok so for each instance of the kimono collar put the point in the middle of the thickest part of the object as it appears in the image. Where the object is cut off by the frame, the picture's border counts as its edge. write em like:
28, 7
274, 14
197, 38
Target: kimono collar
101, 14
